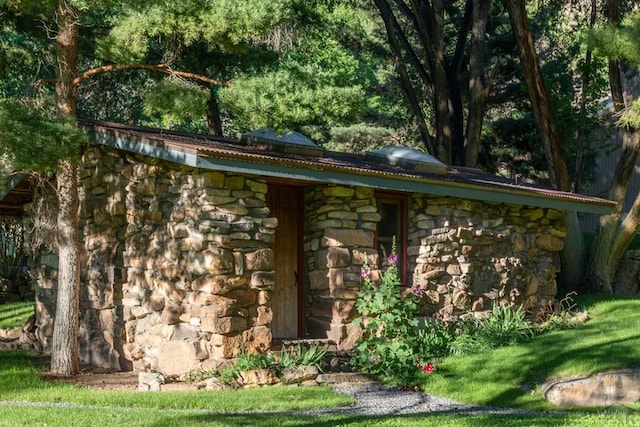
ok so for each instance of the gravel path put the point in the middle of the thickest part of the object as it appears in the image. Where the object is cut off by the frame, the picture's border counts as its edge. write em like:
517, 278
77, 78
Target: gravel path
380, 399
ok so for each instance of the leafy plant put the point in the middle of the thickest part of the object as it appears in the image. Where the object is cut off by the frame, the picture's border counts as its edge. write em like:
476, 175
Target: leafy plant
504, 326
198, 375
388, 346
290, 357
434, 340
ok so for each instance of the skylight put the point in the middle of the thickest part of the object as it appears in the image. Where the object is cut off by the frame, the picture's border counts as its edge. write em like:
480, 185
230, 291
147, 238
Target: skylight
289, 142
408, 158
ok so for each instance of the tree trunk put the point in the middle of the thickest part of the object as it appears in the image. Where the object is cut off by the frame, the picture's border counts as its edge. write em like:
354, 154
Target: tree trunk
443, 102
611, 241
64, 352
478, 92
64, 355
395, 38
572, 254
214, 123
538, 94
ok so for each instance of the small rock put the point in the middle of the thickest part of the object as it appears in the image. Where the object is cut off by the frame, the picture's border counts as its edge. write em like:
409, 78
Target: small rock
299, 374
258, 377
150, 381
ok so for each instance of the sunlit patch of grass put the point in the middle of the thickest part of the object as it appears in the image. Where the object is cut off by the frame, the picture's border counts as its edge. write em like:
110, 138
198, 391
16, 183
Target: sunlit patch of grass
21, 380
511, 376
15, 313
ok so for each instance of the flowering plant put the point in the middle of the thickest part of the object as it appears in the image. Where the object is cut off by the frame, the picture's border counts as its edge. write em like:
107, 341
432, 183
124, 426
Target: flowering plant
388, 347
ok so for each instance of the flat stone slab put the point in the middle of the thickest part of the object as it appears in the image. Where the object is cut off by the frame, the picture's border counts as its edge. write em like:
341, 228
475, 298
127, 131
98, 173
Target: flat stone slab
604, 389
344, 377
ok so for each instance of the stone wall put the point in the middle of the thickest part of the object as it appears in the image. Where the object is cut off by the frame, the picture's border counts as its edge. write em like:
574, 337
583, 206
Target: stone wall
176, 269
339, 232
466, 254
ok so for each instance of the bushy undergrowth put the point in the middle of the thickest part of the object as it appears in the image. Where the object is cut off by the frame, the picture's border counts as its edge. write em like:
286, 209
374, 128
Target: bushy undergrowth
393, 348
389, 347
288, 358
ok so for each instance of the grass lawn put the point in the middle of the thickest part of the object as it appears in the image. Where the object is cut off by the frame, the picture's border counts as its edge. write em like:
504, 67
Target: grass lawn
15, 313
608, 341
511, 376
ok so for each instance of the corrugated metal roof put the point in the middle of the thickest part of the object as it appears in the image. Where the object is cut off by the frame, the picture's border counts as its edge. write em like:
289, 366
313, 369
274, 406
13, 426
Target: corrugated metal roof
230, 154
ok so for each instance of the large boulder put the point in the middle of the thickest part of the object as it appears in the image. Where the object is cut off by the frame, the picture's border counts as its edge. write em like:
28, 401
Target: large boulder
604, 389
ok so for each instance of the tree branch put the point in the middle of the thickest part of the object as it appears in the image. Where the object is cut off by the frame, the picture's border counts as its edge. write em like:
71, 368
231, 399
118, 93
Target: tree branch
159, 68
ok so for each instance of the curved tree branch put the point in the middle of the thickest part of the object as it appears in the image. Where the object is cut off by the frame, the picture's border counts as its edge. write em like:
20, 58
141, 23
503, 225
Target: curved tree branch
159, 68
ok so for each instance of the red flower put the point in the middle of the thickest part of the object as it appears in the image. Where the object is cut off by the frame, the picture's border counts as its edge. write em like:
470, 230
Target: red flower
428, 368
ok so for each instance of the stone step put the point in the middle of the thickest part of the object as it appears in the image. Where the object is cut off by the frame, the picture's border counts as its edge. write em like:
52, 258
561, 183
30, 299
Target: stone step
344, 377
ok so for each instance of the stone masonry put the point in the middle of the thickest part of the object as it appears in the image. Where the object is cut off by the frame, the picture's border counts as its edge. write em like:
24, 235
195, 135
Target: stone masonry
467, 254
176, 268
339, 234
178, 272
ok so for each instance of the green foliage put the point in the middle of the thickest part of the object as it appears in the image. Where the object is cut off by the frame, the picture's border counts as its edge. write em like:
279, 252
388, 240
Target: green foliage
434, 339
223, 24
284, 100
172, 102
388, 346
290, 358
503, 326
619, 42
301, 356
20, 54
33, 140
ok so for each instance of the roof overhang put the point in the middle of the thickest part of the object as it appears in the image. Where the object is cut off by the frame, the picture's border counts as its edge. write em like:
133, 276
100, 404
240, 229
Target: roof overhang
193, 151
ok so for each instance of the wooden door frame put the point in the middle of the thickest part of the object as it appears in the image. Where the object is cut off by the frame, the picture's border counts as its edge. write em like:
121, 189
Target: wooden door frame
302, 276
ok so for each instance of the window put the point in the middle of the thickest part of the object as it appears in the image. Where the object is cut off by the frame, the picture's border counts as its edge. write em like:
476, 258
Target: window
393, 224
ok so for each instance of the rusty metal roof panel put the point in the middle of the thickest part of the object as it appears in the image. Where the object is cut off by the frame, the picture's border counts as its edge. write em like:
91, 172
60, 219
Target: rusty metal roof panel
267, 160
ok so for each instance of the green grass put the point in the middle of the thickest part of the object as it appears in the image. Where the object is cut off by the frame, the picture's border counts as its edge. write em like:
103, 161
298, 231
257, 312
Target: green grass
607, 341
511, 376
15, 313
20, 379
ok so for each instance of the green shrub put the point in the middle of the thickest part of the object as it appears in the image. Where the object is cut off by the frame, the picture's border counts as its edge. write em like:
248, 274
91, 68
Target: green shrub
434, 339
389, 347
505, 325
290, 358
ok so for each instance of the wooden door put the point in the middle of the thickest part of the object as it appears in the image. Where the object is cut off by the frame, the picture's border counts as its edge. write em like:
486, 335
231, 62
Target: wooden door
286, 204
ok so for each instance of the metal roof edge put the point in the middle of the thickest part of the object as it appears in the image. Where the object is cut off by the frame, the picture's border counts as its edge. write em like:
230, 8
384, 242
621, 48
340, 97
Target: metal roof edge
159, 149
148, 147
422, 186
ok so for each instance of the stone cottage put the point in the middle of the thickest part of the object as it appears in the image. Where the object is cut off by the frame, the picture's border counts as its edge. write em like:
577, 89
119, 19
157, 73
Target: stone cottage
196, 248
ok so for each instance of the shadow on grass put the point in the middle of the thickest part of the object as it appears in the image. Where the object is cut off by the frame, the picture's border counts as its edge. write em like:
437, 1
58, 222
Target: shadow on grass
595, 347
446, 418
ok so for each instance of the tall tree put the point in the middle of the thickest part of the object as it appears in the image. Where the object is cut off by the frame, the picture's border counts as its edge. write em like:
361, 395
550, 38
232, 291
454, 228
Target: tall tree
618, 42
64, 351
432, 64
24, 134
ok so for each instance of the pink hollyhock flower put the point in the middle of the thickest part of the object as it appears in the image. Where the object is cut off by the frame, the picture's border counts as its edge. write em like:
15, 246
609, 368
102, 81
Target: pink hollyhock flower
428, 368
417, 290
365, 272
392, 259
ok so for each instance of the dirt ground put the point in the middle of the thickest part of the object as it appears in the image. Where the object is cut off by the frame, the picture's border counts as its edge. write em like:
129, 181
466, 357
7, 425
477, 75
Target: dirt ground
104, 380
